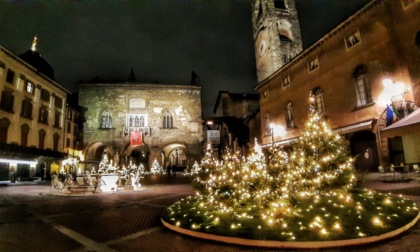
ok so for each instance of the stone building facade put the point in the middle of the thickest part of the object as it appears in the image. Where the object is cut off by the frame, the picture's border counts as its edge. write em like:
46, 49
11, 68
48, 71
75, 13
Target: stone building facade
276, 34
167, 117
32, 116
359, 72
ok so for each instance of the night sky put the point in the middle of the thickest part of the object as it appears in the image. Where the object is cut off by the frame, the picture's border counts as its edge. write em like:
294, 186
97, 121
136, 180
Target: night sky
162, 40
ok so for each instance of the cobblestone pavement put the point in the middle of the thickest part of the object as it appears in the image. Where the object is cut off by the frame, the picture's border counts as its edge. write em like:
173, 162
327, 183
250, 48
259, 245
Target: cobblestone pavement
34, 219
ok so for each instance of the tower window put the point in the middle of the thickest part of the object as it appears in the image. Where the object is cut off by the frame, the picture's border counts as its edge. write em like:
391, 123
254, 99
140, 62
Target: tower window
279, 4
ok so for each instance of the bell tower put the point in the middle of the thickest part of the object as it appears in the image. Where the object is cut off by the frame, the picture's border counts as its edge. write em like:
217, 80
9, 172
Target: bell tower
276, 35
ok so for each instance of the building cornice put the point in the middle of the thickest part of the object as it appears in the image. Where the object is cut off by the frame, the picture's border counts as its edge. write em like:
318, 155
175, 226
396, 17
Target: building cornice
138, 86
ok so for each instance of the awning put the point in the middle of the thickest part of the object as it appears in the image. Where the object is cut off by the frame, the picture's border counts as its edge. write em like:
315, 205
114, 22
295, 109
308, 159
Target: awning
354, 127
411, 119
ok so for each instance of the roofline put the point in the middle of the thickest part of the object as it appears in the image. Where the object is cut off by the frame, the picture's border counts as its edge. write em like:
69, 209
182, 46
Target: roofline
27, 65
137, 85
322, 40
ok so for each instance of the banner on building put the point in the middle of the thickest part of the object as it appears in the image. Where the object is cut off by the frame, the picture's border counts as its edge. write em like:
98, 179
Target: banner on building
136, 138
213, 136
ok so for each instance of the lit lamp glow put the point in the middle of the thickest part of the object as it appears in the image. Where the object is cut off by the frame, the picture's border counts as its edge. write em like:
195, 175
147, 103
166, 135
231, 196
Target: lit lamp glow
276, 131
392, 90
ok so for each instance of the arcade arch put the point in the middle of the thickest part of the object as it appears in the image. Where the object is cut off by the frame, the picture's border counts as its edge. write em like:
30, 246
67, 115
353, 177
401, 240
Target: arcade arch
136, 154
175, 155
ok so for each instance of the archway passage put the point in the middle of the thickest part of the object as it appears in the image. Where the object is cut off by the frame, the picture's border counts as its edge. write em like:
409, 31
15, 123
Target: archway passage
137, 154
176, 157
363, 146
95, 151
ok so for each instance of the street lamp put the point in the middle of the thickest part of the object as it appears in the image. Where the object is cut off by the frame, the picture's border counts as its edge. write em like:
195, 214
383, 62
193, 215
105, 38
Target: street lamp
392, 90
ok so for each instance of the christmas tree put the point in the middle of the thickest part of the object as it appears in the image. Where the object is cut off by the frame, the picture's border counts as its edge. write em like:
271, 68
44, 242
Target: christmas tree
156, 168
320, 161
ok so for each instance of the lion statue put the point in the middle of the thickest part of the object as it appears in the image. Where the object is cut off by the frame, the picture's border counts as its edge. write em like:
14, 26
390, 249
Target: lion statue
68, 181
87, 178
56, 183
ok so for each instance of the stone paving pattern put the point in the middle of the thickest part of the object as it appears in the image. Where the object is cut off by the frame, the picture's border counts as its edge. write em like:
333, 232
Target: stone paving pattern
34, 219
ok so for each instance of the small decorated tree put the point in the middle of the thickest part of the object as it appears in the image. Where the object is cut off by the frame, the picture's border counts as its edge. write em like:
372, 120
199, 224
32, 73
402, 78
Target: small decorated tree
201, 176
156, 168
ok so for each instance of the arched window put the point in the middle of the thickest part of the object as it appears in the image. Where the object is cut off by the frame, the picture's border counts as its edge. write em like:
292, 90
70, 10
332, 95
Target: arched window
56, 138
24, 135
41, 135
137, 122
131, 121
43, 115
7, 99
168, 120
319, 100
26, 110
4, 127
289, 116
141, 121
106, 120
362, 86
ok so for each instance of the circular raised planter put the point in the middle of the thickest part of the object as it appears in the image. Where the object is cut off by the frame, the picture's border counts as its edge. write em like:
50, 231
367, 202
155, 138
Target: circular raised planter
293, 244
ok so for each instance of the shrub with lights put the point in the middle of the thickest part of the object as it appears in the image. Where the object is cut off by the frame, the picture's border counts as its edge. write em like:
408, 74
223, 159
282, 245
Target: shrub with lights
307, 194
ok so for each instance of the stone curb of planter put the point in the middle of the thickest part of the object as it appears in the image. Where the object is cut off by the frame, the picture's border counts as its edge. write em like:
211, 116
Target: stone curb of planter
293, 244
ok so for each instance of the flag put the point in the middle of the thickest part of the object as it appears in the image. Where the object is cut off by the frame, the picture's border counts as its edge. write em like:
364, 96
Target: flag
396, 114
391, 115
136, 138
